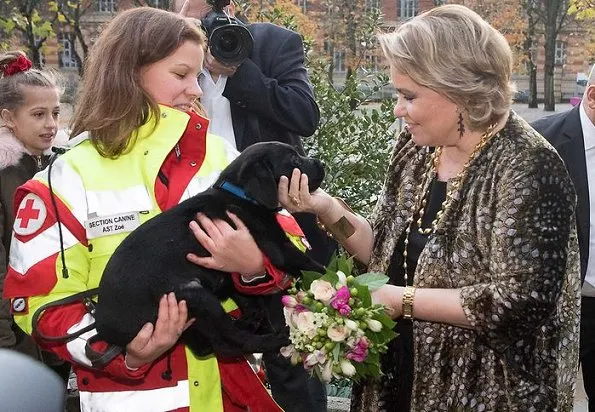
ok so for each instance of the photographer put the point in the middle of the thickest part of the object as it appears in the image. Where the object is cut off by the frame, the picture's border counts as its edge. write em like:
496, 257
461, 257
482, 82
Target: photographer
266, 97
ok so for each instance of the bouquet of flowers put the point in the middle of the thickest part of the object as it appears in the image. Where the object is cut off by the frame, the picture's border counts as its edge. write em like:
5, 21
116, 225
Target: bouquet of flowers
334, 329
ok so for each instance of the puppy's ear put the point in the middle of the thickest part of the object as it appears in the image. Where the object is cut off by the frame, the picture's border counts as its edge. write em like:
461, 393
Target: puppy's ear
259, 183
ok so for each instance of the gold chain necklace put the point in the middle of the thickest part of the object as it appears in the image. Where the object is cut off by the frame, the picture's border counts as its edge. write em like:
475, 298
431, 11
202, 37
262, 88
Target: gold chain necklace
422, 196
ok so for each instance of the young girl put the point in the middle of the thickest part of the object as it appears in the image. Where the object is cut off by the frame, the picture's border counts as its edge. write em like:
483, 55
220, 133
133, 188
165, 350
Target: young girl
142, 149
29, 109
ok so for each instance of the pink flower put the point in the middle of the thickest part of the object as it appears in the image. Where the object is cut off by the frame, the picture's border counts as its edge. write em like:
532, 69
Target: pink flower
360, 352
316, 357
345, 310
341, 301
341, 298
301, 308
289, 301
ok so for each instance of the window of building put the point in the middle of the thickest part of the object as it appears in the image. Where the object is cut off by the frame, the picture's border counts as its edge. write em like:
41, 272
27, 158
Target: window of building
339, 61
372, 5
107, 6
302, 4
66, 55
560, 52
408, 8
159, 4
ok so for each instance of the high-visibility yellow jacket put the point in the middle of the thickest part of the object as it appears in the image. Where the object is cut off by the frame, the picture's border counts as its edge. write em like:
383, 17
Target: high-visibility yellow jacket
99, 202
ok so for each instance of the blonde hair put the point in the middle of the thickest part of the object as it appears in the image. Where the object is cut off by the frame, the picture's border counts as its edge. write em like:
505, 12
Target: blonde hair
453, 51
112, 105
12, 86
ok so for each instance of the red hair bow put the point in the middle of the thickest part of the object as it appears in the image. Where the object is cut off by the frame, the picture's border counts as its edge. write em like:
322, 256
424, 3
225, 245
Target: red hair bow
21, 64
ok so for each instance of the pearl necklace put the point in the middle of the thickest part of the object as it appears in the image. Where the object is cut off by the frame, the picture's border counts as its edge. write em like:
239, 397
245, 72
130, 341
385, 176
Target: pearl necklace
423, 195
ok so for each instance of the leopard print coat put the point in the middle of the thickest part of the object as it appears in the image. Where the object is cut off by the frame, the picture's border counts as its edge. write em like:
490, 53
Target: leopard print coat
508, 243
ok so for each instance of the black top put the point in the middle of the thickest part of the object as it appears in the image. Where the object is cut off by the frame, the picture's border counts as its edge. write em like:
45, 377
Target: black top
397, 388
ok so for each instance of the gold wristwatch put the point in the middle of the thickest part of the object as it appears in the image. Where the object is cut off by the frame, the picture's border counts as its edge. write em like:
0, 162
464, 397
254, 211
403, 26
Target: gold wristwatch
408, 295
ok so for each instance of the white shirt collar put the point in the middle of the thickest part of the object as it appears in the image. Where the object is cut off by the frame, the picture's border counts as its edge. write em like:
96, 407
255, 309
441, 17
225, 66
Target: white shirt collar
588, 128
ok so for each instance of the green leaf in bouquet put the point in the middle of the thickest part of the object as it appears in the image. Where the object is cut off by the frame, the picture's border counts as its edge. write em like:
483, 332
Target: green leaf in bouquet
336, 353
330, 277
307, 278
345, 265
367, 369
363, 294
333, 264
386, 321
372, 280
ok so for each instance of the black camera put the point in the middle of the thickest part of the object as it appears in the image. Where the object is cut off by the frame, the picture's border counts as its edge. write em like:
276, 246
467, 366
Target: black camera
230, 41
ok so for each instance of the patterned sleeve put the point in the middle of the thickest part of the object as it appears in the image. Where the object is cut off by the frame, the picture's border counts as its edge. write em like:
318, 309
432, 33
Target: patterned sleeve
531, 239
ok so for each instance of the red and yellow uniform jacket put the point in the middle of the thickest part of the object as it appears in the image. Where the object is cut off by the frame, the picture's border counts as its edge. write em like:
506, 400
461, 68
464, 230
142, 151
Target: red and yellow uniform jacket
166, 165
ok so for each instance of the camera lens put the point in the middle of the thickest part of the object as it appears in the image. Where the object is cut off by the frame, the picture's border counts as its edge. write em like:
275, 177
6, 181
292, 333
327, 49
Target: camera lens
228, 42
231, 43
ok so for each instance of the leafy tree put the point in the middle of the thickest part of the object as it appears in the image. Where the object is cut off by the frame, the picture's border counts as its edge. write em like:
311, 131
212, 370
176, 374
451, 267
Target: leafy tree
32, 21
554, 16
70, 13
353, 144
529, 46
354, 138
584, 11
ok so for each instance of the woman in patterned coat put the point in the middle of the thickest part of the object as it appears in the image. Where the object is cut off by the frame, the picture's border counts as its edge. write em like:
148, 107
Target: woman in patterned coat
475, 227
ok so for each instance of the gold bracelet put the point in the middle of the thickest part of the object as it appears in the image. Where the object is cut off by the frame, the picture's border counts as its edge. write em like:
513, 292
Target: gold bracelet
342, 229
408, 295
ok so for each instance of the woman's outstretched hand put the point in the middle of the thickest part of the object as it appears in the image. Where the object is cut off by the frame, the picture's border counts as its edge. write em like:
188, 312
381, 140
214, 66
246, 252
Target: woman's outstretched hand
294, 195
153, 341
232, 249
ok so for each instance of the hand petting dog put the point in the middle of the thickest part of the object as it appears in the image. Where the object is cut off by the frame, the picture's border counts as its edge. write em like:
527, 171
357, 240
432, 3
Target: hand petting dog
231, 249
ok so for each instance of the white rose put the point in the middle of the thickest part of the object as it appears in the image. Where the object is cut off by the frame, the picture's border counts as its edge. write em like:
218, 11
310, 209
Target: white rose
338, 333
374, 325
347, 368
323, 291
305, 323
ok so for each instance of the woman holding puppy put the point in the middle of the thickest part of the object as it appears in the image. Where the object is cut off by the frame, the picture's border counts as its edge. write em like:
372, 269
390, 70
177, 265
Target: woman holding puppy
142, 147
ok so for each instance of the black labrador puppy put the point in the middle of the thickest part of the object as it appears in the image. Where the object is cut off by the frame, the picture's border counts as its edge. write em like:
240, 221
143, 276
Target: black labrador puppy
151, 261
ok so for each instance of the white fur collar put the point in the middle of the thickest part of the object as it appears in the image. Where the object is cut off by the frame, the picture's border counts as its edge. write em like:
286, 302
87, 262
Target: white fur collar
11, 148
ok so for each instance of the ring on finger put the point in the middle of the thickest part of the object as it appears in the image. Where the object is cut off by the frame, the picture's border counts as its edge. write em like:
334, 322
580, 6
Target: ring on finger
295, 200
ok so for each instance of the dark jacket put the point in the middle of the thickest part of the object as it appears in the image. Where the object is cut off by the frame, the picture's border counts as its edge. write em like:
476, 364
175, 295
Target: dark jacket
16, 167
565, 133
270, 95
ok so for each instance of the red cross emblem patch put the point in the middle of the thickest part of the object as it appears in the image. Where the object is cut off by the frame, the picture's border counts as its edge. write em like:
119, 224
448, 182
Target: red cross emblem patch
30, 216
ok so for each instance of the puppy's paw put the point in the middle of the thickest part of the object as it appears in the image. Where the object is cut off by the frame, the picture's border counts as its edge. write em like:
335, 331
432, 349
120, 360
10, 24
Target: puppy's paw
187, 291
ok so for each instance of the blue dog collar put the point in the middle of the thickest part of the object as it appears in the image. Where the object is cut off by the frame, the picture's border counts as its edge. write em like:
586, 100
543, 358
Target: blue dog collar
236, 191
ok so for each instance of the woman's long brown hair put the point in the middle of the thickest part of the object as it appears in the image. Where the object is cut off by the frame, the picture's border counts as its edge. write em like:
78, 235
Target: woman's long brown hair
111, 103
